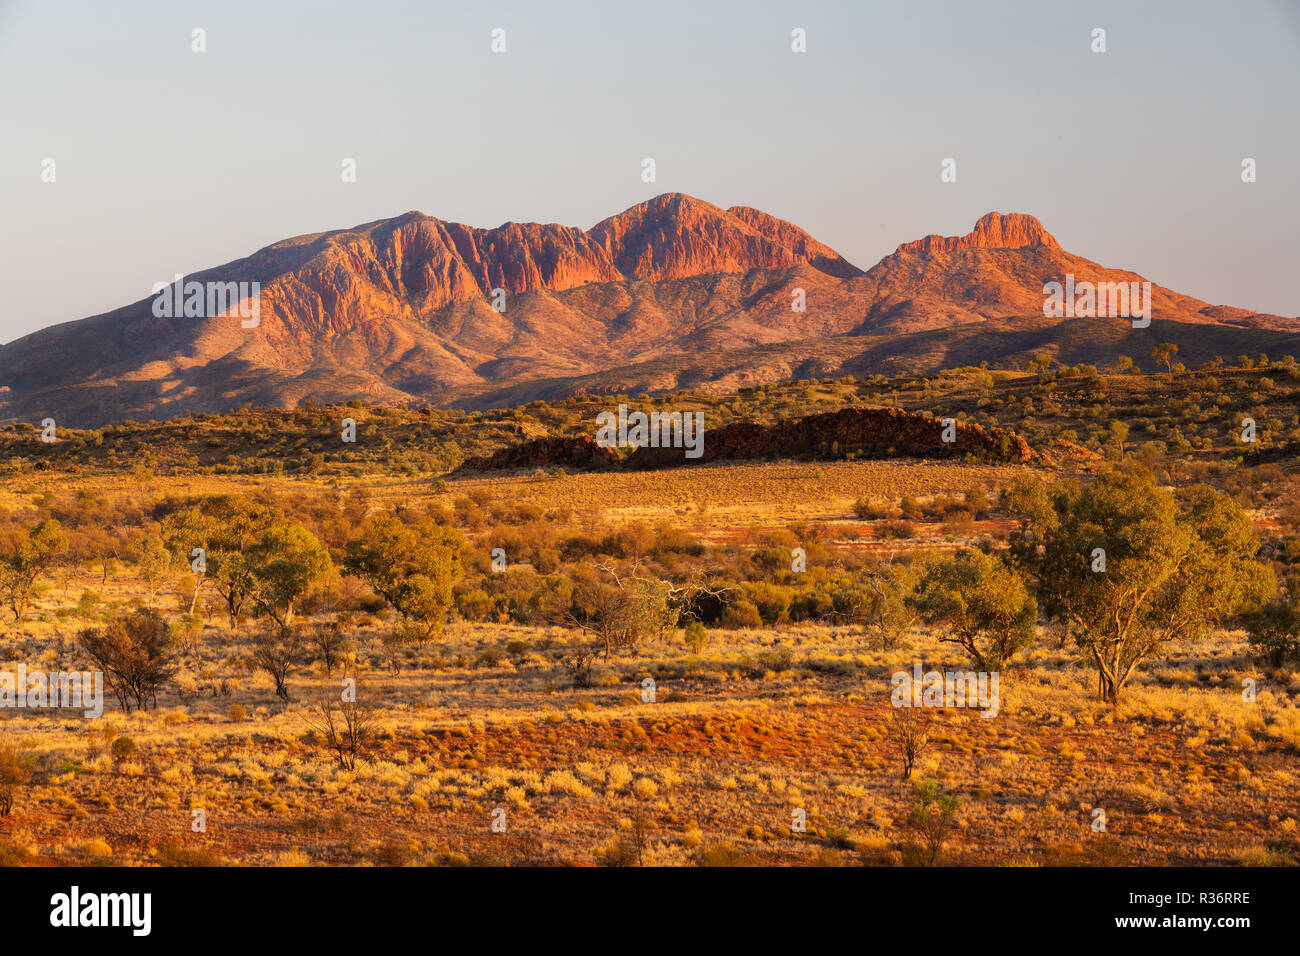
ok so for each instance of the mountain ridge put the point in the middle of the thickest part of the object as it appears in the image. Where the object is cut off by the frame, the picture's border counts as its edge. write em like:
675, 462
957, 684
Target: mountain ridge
401, 310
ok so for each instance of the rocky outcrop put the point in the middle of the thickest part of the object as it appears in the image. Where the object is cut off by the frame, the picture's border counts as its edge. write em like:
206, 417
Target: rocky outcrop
874, 432
674, 235
993, 231
581, 453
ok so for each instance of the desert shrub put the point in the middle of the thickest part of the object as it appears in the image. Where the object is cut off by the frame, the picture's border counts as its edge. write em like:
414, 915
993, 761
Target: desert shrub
624, 610
931, 818
909, 730
579, 663
959, 524
634, 540
722, 854
347, 725
327, 644
618, 853
475, 605
976, 498
15, 770
176, 854
742, 613
580, 546
696, 635
187, 628
869, 510
491, 657
134, 651
898, 529
1274, 631
88, 604
670, 541
547, 560
277, 652
771, 600
522, 595
980, 603
828, 856
778, 659
911, 508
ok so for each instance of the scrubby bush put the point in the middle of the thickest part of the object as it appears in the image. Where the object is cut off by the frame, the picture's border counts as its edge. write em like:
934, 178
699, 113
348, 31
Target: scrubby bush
15, 770
742, 613
135, 653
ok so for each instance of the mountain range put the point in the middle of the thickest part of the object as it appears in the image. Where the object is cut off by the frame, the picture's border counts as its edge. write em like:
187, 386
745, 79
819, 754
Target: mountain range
673, 292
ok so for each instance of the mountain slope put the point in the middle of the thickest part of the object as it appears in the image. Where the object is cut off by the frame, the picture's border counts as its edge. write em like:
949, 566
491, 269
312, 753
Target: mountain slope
401, 310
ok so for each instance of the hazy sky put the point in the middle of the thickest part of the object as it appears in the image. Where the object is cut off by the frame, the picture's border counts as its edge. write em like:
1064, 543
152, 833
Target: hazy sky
171, 161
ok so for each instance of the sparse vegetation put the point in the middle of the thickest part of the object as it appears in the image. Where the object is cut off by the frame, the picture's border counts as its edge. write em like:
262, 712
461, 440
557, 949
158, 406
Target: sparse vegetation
670, 663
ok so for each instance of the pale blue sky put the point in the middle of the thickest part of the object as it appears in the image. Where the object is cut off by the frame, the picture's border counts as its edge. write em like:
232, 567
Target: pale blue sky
170, 161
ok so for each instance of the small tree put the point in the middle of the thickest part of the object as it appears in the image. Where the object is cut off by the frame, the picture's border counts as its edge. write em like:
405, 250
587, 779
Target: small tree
980, 603
24, 557
1119, 435
154, 565
15, 770
285, 565
877, 600
891, 614
412, 568
346, 725
1169, 572
1164, 353
276, 652
932, 817
624, 609
579, 663
910, 731
134, 652
1274, 630
225, 529
327, 644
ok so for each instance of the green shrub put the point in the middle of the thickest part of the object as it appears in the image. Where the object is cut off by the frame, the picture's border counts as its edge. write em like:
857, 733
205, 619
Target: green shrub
742, 614
696, 636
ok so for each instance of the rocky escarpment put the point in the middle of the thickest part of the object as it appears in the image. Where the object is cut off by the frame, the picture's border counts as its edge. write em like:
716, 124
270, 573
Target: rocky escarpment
874, 431
993, 231
417, 261
581, 452
885, 432
675, 235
